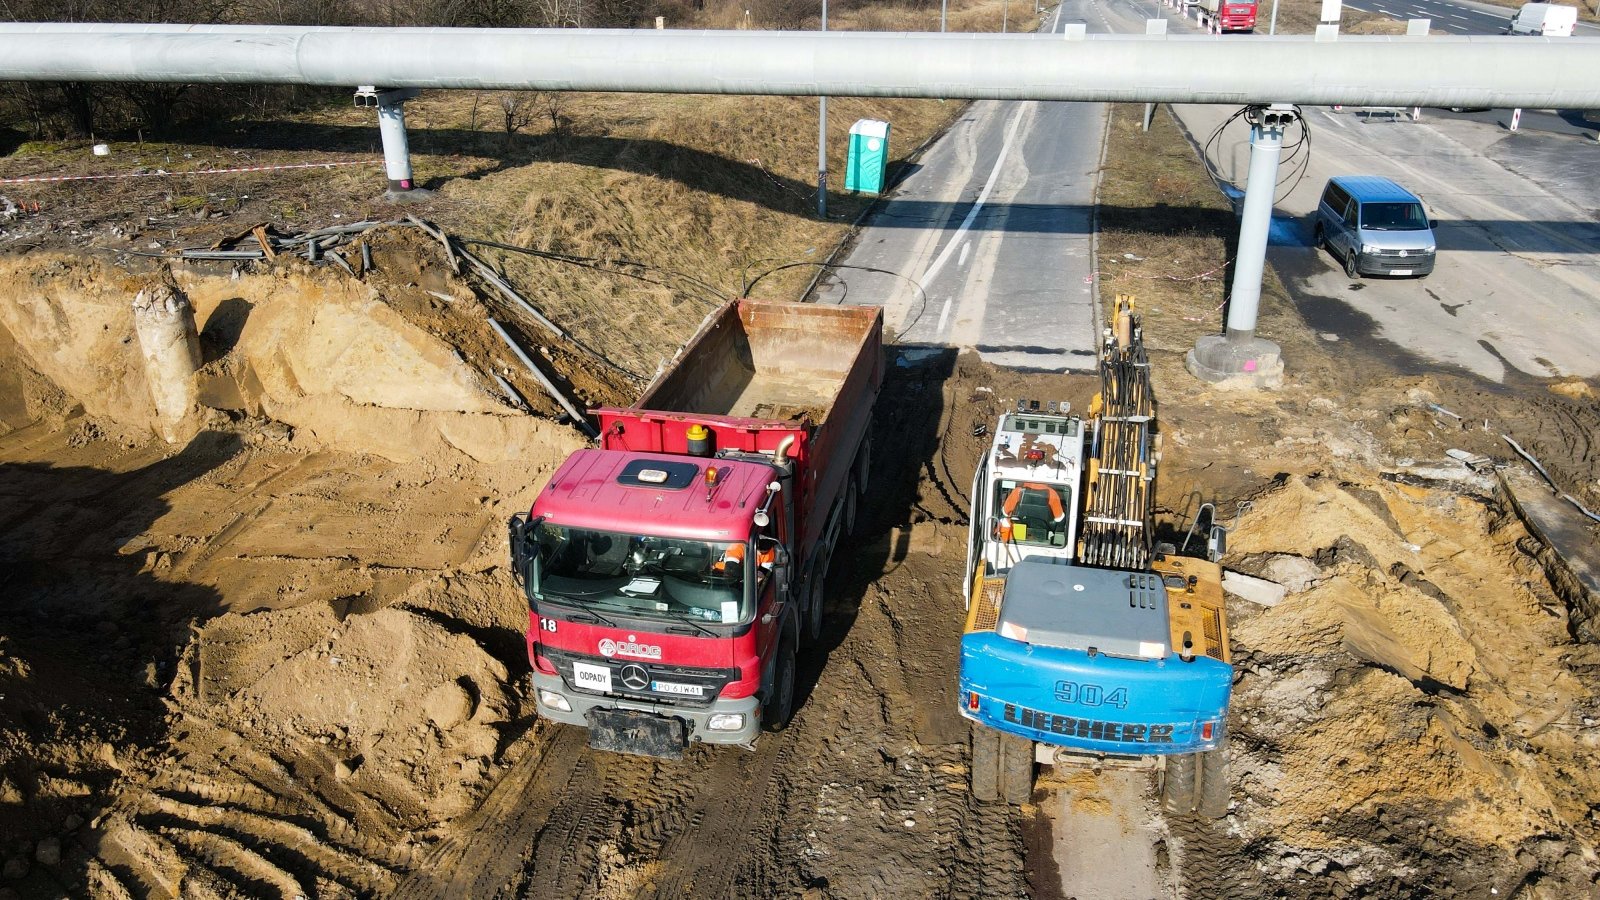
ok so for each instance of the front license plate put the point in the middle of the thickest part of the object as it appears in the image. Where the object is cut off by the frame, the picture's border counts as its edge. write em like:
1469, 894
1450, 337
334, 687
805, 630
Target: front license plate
1399, 271
685, 690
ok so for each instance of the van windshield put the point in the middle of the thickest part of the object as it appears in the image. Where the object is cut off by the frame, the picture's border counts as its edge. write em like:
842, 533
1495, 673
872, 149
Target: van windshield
1393, 216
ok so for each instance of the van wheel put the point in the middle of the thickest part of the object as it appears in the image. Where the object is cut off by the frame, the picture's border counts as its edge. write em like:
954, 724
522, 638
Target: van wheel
779, 707
1350, 268
1319, 237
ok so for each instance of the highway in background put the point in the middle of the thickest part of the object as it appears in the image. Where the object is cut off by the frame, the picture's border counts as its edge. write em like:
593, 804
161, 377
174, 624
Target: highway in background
1515, 287
1455, 18
987, 242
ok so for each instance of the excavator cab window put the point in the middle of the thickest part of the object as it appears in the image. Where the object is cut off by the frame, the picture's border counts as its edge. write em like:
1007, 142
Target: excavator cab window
1030, 513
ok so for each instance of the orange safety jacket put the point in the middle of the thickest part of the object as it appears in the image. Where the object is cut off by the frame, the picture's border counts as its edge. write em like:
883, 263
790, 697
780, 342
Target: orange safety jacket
735, 553
1051, 497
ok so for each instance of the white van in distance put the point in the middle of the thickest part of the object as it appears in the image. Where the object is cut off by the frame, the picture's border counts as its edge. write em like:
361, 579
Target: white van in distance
1545, 19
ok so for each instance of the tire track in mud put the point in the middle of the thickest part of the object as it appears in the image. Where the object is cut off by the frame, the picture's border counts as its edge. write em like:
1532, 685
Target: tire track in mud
695, 860
487, 852
1212, 864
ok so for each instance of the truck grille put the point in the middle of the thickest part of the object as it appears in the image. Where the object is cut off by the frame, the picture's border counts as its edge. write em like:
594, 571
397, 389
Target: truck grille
658, 680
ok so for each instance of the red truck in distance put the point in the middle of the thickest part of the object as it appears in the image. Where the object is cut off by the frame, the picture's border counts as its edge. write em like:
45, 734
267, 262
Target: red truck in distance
1219, 16
646, 624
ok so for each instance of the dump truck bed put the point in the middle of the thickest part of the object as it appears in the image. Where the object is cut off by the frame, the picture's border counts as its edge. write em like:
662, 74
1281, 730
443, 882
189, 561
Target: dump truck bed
759, 372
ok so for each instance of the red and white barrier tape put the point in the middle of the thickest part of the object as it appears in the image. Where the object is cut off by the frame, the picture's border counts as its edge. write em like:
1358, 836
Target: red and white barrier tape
160, 172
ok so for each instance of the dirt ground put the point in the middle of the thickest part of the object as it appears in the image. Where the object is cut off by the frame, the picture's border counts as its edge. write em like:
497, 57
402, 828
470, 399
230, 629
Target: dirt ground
284, 657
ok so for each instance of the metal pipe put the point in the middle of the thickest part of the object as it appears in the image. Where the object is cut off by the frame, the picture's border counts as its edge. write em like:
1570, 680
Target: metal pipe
1500, 72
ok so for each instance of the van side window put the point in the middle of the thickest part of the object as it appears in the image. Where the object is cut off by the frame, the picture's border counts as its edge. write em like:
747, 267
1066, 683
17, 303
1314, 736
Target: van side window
1336, 197
1351, 212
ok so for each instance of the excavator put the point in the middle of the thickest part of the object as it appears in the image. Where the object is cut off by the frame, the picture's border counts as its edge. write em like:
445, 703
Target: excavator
1088, 642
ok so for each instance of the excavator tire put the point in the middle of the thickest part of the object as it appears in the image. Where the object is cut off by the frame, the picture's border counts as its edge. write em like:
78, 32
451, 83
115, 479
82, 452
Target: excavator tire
1016, 769
985, 763
1178, 784
1214, 793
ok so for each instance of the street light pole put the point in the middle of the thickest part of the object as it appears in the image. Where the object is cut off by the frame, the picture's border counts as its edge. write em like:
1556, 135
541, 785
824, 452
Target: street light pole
822, 140
942, 5
1272, 28
1005, 16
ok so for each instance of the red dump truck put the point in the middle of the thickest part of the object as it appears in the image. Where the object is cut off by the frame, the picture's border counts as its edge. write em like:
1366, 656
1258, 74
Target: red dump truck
1218, 16
673, 572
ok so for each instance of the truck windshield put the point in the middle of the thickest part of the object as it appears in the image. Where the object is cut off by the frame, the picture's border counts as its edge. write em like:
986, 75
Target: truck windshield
642, 575
1393, 216
1028, 512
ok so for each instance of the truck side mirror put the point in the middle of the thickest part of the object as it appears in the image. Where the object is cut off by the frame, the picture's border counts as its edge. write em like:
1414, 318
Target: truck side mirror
780, 553
524, 549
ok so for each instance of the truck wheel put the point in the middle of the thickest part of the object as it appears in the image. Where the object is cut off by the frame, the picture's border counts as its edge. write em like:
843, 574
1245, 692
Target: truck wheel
852, 500
985, 763
1178, 784
1016, 769
1350, 264
816, 598
1320, 237
1213, 799
779, 706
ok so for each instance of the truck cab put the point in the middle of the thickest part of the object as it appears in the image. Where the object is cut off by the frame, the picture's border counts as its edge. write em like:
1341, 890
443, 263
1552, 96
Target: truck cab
657, 585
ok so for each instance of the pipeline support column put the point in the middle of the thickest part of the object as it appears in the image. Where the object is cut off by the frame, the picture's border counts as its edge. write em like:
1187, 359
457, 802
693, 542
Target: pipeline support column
1237, 358
170, 346
392, 127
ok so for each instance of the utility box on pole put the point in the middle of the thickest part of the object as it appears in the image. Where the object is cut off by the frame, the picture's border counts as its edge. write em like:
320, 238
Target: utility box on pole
869, 157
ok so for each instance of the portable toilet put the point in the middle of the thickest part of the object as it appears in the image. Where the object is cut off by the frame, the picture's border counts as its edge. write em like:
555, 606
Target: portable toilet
869, 157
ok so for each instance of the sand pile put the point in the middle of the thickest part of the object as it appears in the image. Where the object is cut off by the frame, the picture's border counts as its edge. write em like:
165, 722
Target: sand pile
1422, 681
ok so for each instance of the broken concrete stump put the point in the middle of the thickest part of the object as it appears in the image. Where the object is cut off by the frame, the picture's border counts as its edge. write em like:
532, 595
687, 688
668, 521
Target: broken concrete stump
170, 344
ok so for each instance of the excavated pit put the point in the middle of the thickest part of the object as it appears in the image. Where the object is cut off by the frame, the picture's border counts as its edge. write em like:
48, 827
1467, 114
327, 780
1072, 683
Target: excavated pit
283, 657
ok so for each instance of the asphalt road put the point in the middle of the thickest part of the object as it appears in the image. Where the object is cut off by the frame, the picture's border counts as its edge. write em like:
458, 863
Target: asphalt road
988, 242
1455, 18
1517, 285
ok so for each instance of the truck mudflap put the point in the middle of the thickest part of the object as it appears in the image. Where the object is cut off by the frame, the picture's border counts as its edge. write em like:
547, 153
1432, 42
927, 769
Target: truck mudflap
1099, 703
638, 733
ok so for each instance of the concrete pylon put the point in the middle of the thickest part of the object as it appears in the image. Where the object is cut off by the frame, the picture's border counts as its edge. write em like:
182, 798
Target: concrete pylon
1237, 358
170, 345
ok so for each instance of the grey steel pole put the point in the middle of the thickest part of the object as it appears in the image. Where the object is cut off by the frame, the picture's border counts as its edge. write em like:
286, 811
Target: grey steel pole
1266, 146
1237, 358
942, 5
392, 127
1005, 16
1273, 27
822, 140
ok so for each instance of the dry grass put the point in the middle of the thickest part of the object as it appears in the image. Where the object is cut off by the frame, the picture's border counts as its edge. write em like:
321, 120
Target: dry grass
708, 192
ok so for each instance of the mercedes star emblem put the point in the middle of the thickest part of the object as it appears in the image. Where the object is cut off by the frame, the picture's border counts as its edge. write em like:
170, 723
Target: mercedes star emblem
634, 677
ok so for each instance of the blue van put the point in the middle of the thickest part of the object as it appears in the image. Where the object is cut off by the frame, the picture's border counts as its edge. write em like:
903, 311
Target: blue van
1375, 226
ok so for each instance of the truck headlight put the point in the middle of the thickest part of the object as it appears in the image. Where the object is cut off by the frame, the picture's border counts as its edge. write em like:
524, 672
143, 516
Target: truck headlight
725, 722
1430, 248
554, 700
1368, 249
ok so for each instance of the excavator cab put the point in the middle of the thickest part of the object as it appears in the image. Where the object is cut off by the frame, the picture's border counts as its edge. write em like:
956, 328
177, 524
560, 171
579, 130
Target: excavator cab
1031, 513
